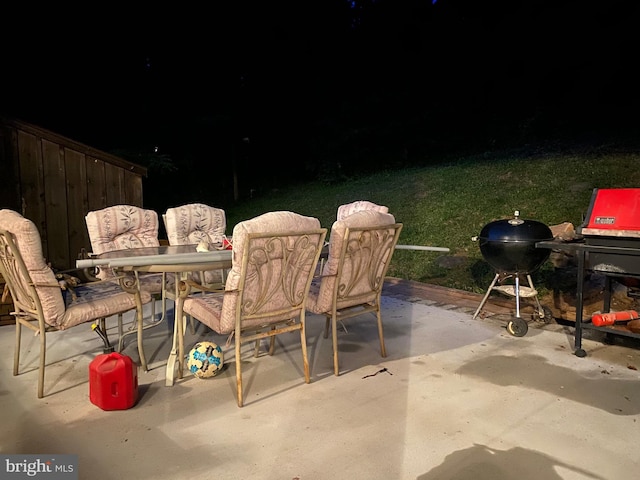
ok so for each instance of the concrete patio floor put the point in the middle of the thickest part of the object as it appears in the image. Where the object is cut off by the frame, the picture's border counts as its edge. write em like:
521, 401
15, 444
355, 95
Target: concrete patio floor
459, 399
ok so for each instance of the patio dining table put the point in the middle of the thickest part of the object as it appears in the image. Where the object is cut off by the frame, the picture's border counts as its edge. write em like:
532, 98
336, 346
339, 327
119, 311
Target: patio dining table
178, 259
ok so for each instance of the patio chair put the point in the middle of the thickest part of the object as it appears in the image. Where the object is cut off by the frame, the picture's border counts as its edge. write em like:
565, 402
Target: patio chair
38, 300
127, 226
274, 257
197, 224
357, 206
193, 224
360, 250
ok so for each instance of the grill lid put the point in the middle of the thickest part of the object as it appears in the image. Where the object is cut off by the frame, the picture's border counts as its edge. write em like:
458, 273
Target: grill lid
613, 212
509, 245
515, 230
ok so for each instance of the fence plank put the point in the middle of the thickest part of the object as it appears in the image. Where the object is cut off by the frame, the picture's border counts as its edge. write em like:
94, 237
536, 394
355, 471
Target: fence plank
55, 196
32, 181
77, 201
96, 184
114, 178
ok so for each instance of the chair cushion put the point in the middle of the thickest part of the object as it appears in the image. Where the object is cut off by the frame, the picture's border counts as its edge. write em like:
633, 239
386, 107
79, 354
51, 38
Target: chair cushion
29, 243
281, 221
357, 206
320, 297
363, 218
98, 300
120, 227
194, 223
207, 309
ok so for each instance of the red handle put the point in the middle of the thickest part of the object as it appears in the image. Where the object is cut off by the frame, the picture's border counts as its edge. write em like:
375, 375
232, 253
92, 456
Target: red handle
605, 319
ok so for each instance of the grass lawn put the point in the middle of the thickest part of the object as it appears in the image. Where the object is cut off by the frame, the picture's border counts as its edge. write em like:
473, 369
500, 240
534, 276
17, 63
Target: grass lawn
447, 203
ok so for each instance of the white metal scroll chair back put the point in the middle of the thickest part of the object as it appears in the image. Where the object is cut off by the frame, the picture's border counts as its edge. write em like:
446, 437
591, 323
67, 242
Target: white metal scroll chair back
122, 227
196, 223
38, 301
357, 206
274, 257
360, 250
350, 208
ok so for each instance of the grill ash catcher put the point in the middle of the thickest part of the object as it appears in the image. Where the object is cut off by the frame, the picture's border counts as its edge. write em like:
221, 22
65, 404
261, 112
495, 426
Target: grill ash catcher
509, 246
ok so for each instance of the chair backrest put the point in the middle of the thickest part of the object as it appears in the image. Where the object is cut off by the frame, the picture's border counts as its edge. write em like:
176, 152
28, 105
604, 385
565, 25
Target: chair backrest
274, 257
32, 284
120, 227
360, 250
194, 223
357, 206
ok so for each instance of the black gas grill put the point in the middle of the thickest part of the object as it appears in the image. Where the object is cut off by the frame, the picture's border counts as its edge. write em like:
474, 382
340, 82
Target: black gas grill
613, 220
608, 243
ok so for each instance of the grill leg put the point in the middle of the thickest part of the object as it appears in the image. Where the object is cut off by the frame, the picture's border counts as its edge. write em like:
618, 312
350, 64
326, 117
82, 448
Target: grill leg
517, 292
540, 309
486, 295
517, 326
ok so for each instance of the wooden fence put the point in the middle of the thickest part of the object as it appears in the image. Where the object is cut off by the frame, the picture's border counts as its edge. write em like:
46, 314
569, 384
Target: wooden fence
55, 181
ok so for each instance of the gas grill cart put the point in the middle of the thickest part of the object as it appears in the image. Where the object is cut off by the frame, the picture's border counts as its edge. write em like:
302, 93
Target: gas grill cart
608, 243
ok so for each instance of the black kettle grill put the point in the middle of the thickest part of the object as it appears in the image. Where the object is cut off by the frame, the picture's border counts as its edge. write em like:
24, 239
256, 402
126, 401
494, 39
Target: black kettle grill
509, 246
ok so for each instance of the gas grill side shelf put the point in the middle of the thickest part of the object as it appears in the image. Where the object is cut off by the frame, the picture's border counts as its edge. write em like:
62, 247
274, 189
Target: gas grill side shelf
580, 250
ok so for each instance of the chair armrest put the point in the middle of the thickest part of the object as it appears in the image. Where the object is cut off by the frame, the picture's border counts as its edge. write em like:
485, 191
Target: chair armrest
40, 285
202, 288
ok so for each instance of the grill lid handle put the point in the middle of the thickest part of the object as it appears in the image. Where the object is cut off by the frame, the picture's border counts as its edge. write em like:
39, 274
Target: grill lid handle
516, 220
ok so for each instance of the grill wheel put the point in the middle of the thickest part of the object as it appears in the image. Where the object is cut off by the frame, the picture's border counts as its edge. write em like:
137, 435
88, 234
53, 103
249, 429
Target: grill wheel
517, 327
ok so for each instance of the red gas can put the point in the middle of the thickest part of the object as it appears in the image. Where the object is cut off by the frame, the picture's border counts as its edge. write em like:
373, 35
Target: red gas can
113, 381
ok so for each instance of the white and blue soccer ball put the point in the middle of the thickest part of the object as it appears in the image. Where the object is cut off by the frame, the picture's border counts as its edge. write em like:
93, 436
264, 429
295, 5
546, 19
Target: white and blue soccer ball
205, 359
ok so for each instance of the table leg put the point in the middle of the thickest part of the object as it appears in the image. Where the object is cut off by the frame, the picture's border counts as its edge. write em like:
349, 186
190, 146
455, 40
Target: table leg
171, 361
132, 285
173, 355
140, 320
181, 331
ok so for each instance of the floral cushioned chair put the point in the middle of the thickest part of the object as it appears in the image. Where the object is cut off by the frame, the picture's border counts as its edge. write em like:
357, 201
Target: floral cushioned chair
37, 297
274, 257
126, 226
360, 250
197, 223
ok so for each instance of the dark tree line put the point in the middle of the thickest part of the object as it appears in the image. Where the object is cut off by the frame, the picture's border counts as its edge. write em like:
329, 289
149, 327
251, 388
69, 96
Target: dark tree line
286, 91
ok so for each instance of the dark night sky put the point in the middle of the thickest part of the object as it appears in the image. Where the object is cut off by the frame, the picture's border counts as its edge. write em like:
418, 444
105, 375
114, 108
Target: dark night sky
278, 71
